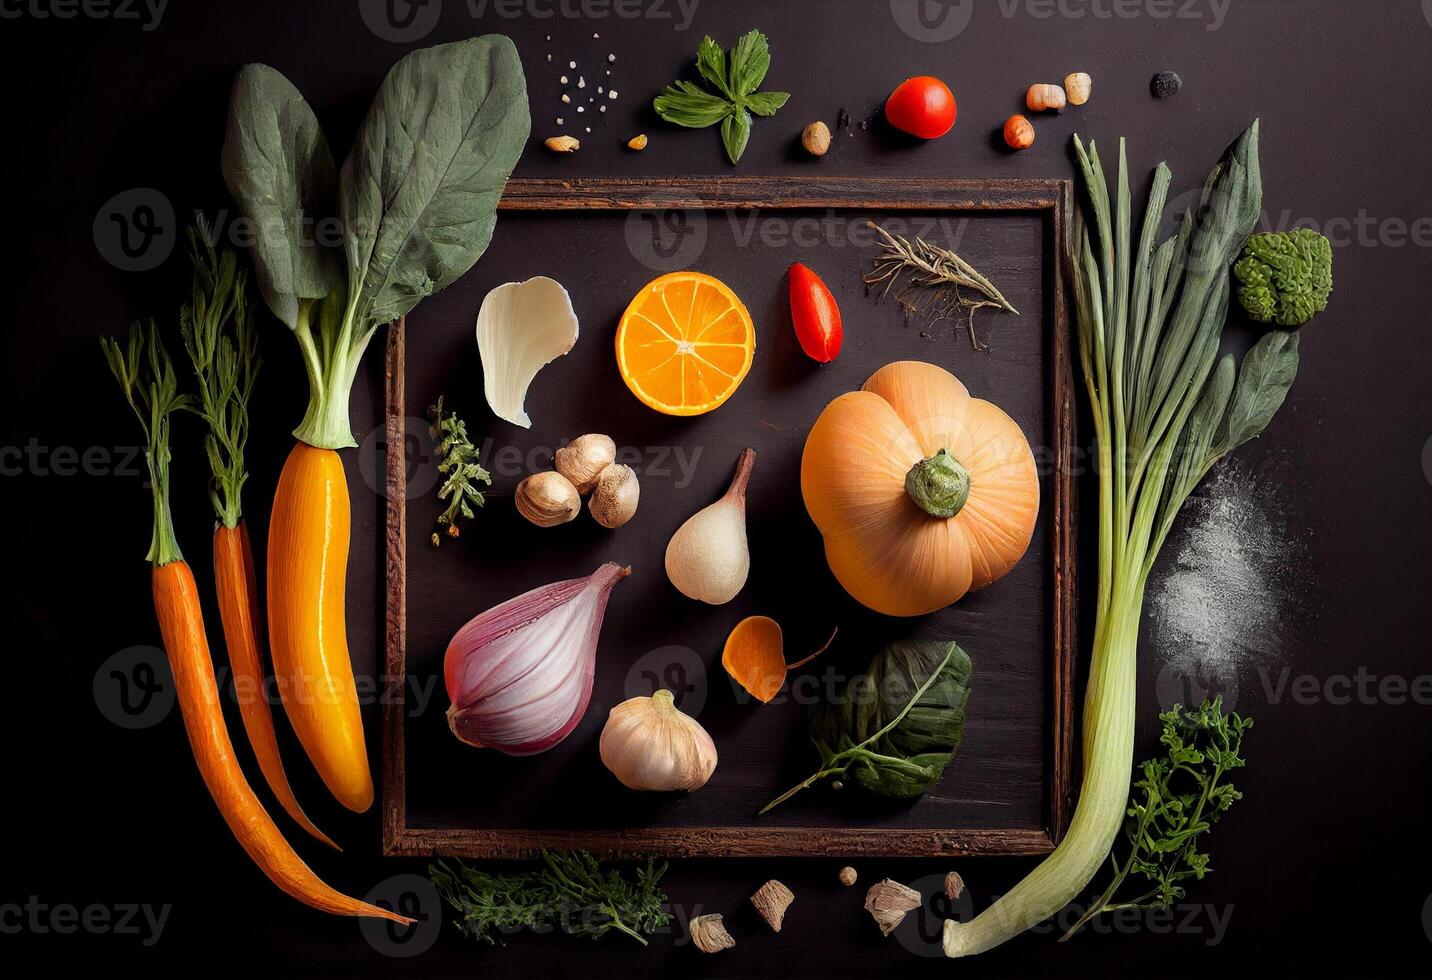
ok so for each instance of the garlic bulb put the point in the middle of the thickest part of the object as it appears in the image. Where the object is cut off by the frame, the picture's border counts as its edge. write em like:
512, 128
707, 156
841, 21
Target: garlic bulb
520, 675
708, 557
649, 744
521, 327
583, 459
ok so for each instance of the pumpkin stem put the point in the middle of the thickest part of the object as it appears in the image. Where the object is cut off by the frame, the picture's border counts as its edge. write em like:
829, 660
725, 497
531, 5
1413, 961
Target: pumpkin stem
939, 485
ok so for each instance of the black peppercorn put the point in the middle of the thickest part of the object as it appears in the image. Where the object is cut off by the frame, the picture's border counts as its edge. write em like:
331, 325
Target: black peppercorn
1165, 84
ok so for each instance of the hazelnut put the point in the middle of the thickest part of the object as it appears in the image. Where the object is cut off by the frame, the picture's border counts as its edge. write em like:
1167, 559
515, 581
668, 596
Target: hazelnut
547, 499
1077, 86
816, 139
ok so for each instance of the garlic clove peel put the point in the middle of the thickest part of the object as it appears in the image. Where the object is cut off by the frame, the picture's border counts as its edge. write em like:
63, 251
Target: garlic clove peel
521, 328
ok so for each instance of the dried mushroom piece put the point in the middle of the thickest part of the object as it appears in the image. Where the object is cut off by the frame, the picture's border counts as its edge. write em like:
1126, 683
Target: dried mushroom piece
771, 900
709, 933
954, 885
888, 902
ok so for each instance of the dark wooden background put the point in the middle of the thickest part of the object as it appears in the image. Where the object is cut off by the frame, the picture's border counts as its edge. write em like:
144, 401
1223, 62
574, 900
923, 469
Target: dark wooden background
1322, 868
1004, 785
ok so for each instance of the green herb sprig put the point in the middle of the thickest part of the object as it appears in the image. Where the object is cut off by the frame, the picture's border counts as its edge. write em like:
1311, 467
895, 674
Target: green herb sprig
1181, 795
223, 349
735, 76
457, 460
570, 891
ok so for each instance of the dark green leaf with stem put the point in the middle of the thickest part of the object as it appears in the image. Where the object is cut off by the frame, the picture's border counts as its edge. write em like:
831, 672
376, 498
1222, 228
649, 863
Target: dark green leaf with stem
896, 728
223, 348
735, 76
417, 201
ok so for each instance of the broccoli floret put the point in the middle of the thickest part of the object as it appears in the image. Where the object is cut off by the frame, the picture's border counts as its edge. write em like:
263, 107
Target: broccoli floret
1285, 277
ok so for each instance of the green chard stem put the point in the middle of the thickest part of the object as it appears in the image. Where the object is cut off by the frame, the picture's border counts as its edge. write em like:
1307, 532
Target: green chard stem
331, 358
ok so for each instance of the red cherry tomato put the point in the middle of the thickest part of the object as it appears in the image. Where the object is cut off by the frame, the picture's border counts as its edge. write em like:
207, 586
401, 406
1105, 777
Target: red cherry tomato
815, 315
922, 106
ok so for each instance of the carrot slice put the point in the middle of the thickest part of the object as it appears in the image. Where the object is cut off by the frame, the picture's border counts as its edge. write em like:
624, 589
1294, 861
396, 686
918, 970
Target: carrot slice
755, 657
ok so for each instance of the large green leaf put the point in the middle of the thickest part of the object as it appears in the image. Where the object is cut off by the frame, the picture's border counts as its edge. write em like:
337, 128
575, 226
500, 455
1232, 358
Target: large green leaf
419, 192
918, 690
1263, 382
279, 168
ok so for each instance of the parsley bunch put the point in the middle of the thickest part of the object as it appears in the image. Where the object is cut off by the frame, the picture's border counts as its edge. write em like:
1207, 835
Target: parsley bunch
570, 891
735, 77
457, 460
1181, 794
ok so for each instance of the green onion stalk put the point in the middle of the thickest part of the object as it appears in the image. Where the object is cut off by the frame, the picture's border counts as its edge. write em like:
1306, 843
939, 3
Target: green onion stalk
1165, 409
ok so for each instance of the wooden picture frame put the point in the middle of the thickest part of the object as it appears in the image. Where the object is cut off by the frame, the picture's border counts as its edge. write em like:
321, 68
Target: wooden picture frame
1049, 198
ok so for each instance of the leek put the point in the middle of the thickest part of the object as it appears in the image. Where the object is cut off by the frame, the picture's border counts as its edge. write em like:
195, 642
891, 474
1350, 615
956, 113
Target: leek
1165, 408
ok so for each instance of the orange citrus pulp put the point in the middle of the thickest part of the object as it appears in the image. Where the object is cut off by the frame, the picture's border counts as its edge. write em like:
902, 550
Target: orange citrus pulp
685, 343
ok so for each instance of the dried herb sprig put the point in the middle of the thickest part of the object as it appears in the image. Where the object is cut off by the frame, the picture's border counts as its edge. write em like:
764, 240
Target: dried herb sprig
938, 270
1180, 795
570, 891
457, 459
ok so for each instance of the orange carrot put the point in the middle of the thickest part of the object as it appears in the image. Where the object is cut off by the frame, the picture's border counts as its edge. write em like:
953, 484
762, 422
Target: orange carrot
308, 558
147, 378
223, 348
176, 602
234, 581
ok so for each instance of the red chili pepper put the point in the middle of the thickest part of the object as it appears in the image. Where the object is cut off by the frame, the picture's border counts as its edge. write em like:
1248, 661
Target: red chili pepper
815, 315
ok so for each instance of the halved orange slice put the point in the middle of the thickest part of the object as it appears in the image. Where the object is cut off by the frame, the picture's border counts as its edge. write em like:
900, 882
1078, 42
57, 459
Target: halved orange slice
685, 343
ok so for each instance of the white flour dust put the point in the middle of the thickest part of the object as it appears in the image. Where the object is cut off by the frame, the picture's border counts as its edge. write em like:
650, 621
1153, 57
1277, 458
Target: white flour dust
1223, 587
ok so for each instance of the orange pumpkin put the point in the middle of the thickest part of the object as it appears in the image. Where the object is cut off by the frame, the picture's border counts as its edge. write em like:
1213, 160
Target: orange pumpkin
920, 491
